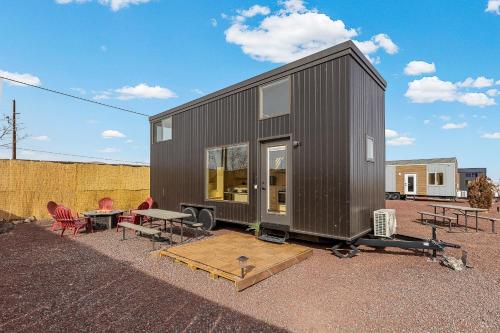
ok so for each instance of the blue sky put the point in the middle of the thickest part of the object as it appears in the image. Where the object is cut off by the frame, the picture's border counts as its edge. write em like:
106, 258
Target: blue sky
440, 59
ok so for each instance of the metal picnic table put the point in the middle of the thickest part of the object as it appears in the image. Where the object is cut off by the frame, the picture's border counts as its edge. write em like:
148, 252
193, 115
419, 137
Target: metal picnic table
462, 209
165, 215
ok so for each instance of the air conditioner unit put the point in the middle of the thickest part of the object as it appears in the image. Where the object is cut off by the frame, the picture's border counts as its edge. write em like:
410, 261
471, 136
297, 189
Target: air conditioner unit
384, 222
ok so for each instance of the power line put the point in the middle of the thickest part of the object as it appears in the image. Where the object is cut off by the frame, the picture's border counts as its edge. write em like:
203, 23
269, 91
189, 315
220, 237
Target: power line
75, 97
72, 155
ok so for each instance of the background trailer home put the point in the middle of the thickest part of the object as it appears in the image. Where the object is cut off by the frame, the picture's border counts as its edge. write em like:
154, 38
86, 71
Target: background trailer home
468, 175
299, 149
437, 177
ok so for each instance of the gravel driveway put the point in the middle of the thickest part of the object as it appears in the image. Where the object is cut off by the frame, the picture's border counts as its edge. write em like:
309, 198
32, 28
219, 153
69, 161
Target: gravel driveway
98, 283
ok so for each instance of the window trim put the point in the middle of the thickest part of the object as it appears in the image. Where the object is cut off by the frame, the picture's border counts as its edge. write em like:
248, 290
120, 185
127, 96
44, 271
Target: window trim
261, 95
435, 178
245, 143
154, 130
370, 159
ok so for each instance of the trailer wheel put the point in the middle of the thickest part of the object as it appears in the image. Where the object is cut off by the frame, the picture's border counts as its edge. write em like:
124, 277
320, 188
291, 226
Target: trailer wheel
206, 217
193, 212
395, 196
387, 196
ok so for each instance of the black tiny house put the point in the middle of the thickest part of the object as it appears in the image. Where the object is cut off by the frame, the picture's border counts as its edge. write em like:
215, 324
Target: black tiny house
300, 148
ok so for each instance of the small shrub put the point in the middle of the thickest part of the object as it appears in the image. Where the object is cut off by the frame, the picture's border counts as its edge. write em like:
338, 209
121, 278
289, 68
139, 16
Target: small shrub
480, 193
255, 227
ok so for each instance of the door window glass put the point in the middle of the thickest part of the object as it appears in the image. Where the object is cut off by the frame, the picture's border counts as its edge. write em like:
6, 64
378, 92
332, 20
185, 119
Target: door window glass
276, 180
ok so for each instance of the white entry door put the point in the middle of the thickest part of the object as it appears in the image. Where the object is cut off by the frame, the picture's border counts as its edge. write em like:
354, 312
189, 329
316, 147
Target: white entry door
410, 183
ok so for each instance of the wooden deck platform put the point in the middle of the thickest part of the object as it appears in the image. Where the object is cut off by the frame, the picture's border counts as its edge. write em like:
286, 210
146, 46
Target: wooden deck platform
218, 256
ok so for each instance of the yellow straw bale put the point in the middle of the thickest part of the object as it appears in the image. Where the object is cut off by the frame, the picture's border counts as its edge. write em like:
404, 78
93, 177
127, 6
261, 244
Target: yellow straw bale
27, 186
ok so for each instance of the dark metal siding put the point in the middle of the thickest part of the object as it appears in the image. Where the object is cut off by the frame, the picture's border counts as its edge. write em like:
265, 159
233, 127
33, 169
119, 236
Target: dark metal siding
325, 200
366, 118
321, 162
178, 165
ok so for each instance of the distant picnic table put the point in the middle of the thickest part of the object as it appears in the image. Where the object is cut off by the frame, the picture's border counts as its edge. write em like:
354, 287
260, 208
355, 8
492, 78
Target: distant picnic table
463, 210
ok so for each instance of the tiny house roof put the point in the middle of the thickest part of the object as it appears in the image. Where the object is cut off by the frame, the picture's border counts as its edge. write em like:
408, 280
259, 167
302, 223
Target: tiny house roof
423, 161
336, 51
472, 170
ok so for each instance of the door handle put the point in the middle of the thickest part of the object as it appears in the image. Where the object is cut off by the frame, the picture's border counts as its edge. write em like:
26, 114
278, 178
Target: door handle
263, 188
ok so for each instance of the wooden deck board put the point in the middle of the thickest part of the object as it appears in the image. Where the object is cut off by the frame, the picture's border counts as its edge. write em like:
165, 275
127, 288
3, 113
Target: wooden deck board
218, 256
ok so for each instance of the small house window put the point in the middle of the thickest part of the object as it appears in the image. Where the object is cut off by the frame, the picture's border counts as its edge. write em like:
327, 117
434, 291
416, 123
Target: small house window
163, 130
436, 178
275, 98
370, 149
227, 173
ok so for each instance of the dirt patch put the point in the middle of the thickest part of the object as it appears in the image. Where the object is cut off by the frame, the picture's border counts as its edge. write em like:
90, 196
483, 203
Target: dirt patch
99, 283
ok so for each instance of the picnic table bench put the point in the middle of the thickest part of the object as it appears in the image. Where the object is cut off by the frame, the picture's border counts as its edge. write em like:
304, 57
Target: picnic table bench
444, 217
493, 220
170, 217
141, 229
463, 211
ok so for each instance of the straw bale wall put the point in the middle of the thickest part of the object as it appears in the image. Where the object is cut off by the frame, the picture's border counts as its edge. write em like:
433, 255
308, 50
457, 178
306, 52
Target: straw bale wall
27, 186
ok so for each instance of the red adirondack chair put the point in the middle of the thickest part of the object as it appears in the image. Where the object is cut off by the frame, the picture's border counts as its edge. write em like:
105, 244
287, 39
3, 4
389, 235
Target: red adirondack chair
106, 204
51, 208
133, 218
66, 219
150, 201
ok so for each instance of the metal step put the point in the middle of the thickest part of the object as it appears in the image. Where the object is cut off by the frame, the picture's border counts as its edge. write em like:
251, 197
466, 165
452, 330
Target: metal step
272, 238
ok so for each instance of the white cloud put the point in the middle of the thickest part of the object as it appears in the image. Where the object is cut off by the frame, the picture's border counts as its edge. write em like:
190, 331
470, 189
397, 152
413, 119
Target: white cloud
108, 134
391, 133
493, 92
401, 141
454, 126
198, 91
378, 41
104, 48
494, 135
427, 121
144, 91
432, 89
81, 91
115, 5
129, 141
294, 32
108, 150
103, 95
385, 42
444, 117
417, 67
213, 22
497, 83
493, 6
23, 77
479, 82
41, 138
254, 10
476, 99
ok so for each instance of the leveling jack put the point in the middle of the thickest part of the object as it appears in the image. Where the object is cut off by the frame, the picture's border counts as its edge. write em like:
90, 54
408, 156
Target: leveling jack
350, 249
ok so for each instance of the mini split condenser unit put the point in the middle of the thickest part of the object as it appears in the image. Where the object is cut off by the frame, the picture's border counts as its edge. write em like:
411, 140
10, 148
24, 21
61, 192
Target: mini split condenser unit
384, 222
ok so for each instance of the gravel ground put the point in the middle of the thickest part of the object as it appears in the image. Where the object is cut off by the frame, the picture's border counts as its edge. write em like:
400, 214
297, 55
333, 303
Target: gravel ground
98, 283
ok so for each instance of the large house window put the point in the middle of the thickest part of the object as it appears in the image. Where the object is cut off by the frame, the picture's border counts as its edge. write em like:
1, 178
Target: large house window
163, 130
227, 173
436, 178
275, 98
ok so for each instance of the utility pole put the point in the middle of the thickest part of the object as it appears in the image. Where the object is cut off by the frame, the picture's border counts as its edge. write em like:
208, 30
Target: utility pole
14, 134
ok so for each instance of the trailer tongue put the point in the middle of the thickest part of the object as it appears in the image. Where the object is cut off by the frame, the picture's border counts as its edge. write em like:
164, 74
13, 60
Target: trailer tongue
384, 235
348, 250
